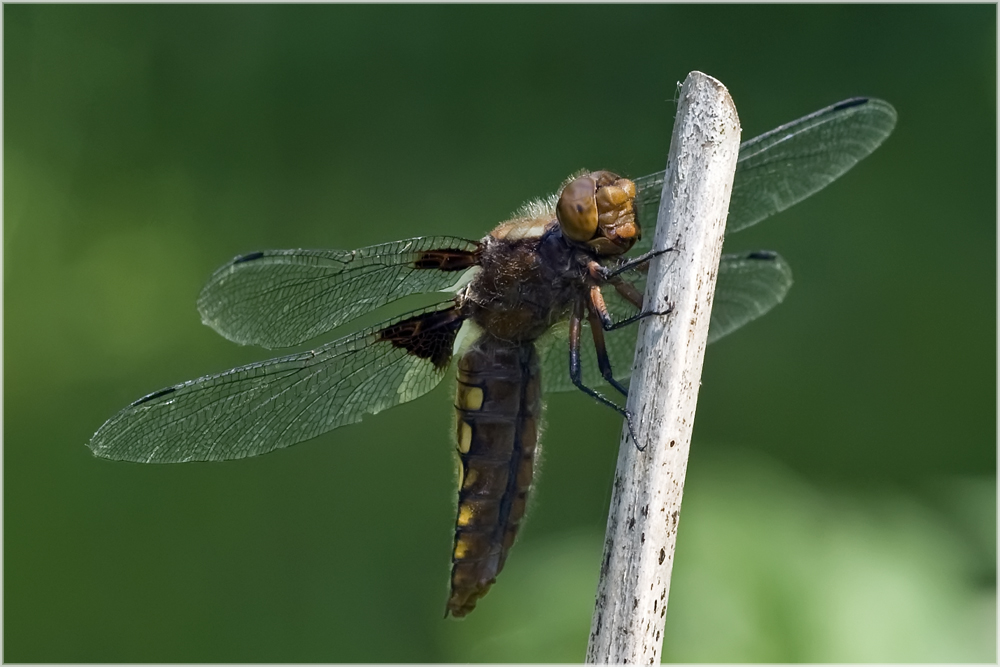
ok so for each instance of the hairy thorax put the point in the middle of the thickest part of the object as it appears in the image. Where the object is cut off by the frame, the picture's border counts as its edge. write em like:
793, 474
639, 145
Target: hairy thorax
528, 278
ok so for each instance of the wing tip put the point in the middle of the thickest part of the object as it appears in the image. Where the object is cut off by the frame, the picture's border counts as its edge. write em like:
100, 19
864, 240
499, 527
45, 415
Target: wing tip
98, 445
153, 396
249, 257
874, 104
851, 102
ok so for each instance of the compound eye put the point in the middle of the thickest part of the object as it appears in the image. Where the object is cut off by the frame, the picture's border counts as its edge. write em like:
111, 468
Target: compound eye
577, 209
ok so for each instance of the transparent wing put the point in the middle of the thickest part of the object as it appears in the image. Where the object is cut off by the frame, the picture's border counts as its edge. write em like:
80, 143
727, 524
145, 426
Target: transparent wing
647, 207
792, 162
620, 307
280, 298
788, 164
264, 406
748, 286
553, 353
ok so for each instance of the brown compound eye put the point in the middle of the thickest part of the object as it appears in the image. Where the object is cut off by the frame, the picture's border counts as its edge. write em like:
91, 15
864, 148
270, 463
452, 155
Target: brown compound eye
577, 209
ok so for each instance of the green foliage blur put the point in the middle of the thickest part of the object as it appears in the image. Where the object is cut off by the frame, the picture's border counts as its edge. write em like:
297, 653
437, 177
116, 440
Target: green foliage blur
841, 492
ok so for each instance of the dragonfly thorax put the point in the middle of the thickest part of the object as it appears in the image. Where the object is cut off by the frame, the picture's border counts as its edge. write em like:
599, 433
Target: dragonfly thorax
526, 283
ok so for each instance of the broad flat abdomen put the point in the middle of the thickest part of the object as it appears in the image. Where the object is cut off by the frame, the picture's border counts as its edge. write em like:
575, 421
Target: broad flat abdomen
499, 404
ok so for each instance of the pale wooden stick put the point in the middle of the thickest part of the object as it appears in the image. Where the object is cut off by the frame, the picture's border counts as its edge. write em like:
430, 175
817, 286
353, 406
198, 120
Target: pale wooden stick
645, 505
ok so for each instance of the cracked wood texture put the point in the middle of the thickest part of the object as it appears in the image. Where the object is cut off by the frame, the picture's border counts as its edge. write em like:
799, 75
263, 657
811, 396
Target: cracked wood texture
631, 607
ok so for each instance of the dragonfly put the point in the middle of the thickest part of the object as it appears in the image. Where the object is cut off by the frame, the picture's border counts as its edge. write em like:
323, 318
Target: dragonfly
514, 311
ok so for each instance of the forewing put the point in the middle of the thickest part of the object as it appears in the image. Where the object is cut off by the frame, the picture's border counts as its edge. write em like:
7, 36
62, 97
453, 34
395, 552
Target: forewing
647, 207
264, 406
279, 298
792, 162
784, 166
748, 286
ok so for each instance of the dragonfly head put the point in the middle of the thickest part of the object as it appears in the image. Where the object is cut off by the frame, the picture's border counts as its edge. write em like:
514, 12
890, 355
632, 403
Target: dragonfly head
596, 210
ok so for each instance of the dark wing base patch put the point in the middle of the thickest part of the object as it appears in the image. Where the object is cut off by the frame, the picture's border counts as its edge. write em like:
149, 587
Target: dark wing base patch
447, 260
429, 336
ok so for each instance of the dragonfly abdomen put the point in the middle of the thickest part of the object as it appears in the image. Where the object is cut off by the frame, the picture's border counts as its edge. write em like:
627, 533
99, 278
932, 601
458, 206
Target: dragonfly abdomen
499, 404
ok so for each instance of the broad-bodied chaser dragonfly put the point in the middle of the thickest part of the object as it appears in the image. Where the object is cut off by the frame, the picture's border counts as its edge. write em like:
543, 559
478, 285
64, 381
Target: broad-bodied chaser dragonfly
565, 267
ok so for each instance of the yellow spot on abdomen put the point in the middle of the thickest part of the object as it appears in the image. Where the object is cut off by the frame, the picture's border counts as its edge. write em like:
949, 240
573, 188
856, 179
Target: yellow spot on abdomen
470, 398
465, 514
464, 437
470, 479
461, 548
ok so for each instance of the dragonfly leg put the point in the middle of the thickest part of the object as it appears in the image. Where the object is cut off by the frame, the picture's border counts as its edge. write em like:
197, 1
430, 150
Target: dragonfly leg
637, 261
639, 316
603, 361
598, 307
576, 371
627, 291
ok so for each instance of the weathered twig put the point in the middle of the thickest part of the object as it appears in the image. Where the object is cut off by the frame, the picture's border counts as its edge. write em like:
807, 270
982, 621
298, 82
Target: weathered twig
645, 505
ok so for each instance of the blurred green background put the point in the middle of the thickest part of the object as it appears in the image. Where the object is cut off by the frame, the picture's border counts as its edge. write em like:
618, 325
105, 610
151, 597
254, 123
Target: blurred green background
840, 499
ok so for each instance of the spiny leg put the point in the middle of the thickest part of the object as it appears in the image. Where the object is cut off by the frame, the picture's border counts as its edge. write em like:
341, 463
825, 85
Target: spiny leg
576, 370
632, 263
638, 316
627, 291
603, 361
601, 309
